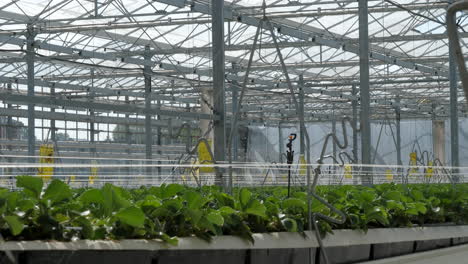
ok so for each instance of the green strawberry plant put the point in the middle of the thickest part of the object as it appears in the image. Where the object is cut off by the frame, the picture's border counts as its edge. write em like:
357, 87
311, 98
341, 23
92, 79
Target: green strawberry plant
54, 211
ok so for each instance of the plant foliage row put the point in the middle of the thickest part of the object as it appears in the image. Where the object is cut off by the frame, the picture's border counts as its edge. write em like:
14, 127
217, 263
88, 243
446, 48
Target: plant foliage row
57, 212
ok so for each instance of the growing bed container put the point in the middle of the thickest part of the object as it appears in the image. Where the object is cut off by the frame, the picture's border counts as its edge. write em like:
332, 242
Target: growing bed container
344, 246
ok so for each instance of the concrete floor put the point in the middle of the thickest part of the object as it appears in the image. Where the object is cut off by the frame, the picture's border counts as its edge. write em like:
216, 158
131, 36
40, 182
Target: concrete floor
452, 255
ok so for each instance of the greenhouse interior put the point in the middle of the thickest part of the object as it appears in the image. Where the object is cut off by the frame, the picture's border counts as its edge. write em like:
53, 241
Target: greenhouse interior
235, 131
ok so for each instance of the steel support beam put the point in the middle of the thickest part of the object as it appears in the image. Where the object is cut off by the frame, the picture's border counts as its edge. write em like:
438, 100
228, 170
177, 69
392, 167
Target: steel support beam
148, 116
9, 131
235, 137
30, 76
128, 136
280, 142
364, 90
334, 142
398, 133
159, 138
354, 105
79, 104
96, 9
301, 115
219, 140
92, 132
96, 90
454, 142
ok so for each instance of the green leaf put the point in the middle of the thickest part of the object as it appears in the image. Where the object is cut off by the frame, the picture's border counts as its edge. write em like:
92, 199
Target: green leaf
150, 201
294, 204
194, 200
378, 214
244, 197
256, 208
394, 205
170, 240
224, 199
87, 230
15, 224
226, 210
317, 206
300, 195
57, 191
411, 209
417, 195
290, 224
194, 215
367, 196
32, 186
215, 218
132, 216
91, 196
171, 190
421, 208
393, 195
173, 205
25, 204
112, 199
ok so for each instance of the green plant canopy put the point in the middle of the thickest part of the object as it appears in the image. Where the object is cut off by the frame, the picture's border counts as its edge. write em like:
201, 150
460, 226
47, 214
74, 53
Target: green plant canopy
55, 211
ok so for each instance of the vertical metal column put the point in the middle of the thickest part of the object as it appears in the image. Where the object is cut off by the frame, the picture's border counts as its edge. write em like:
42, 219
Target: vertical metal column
9, 132
169, 131
128, 138
334, 132
454, 143
148, 132
335, 176
235, 137
53, 128
30, 73
398, 132
159, 141
301, 115
364, 90
92, 132
219, 141
281, 143
96, 8
354, 105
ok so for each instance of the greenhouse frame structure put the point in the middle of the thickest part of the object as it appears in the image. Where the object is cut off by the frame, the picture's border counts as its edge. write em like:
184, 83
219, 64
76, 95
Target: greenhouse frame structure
91, 66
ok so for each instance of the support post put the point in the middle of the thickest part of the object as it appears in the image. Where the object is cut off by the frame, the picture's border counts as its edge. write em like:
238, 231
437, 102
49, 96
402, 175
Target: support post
206, 108
9, 133
30, 73
334, 176
364, 90
128, 138
159, 141
301, 116
219, 141
96, 8
398, 133
148, 131
334, 133
281, 142
53, 128
92, 132
454, 142
169, 131
235, 137
354, 105
205, 124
